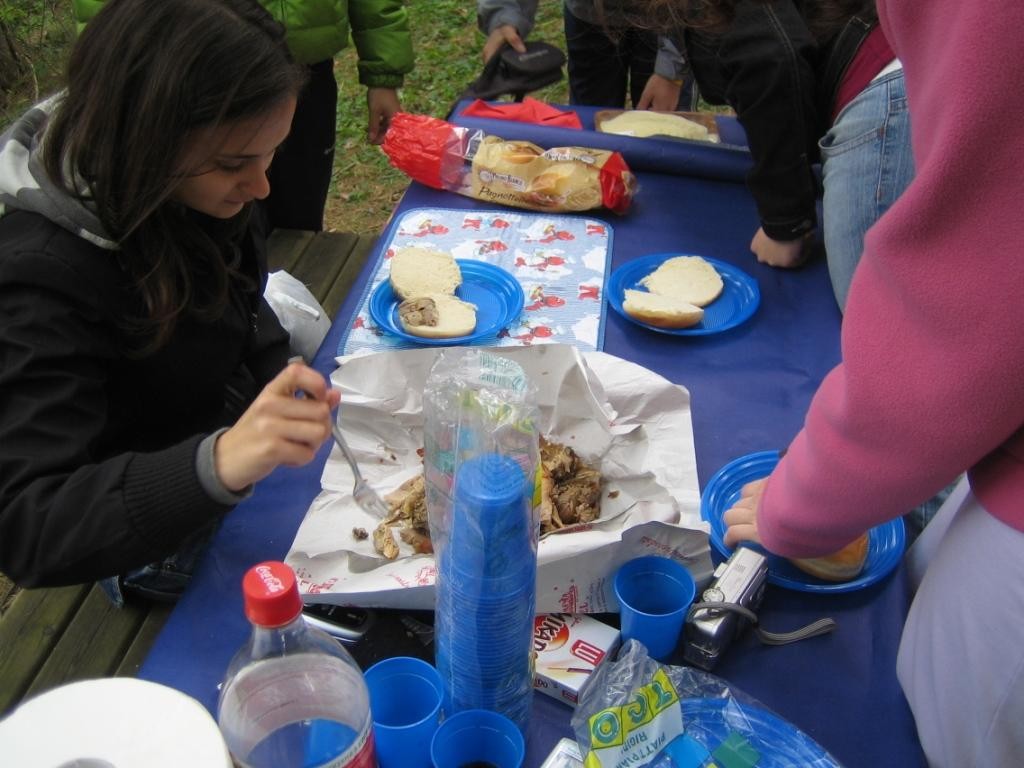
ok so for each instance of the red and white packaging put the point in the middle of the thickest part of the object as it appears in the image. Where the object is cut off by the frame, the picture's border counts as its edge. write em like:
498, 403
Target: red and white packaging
568, 647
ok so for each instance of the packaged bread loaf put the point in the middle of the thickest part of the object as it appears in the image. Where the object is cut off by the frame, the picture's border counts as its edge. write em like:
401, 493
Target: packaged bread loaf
514, 173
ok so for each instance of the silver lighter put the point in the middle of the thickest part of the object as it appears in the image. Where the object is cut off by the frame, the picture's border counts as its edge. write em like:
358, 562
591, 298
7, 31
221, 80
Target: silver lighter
738, 581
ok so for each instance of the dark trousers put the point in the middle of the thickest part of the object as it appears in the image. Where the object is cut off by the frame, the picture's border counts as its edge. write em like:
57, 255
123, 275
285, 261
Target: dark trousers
601, 69
300, 175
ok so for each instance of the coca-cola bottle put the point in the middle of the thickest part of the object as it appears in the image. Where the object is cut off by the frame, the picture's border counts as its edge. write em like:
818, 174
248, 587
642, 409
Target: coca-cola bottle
292, 696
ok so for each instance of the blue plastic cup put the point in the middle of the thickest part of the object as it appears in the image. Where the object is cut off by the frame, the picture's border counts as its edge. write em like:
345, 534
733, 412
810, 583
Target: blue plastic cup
405, 702
492, 527
654, 594
478, 736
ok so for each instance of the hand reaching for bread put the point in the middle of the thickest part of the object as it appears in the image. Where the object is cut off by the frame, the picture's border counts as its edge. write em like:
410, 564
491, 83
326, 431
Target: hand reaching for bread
839, 566
742, 516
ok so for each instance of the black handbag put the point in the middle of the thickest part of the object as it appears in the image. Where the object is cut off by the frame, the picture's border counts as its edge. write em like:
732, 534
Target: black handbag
509, 72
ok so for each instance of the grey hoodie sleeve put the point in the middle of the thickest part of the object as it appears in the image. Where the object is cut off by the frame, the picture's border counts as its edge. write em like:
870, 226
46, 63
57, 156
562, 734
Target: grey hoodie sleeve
207, 473
491, 14
669, 63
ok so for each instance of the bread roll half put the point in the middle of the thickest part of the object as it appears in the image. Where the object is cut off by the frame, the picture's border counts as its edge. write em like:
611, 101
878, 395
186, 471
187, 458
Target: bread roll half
686, 278
661, 311
843, 565
437, 316
644, 123
423, 271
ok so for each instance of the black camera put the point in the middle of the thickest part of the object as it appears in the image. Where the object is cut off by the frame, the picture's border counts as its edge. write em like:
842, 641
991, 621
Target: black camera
738, 587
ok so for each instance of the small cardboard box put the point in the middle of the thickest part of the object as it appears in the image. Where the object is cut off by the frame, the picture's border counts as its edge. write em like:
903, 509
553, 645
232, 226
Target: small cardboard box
568, 648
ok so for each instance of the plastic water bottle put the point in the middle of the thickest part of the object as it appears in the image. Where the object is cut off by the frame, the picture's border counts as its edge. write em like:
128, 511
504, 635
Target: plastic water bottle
292, 697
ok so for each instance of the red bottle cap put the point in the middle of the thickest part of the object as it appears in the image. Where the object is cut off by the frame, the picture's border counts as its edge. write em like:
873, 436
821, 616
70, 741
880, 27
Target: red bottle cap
271, 594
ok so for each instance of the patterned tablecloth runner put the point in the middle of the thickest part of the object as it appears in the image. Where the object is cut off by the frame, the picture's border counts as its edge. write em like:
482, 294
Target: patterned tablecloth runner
561, 261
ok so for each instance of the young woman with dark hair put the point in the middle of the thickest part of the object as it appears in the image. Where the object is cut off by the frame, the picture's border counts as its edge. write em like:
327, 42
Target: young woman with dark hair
316, 31
143, 379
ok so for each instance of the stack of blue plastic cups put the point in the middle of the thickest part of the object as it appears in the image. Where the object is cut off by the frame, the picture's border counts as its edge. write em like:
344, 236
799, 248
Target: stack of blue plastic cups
487, 576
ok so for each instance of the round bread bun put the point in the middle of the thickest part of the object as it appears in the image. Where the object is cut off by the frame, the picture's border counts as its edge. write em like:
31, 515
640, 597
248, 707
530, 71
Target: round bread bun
839, 566
686, 278
661, 311
437, 316
422, 271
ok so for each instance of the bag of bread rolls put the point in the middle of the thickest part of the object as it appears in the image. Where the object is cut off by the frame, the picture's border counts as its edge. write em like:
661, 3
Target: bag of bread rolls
514, 173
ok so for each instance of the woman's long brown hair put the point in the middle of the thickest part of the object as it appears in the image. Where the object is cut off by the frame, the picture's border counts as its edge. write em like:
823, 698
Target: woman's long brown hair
143, 78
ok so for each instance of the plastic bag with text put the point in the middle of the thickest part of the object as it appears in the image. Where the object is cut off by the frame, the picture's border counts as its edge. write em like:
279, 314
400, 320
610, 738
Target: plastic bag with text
635, 712
515, 173
299, 313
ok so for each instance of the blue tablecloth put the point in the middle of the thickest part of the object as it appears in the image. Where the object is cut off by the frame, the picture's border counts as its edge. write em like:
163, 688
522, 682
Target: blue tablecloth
750, 388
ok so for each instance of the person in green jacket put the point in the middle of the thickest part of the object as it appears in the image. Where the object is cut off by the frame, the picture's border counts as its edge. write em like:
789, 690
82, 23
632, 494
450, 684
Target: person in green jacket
316, 30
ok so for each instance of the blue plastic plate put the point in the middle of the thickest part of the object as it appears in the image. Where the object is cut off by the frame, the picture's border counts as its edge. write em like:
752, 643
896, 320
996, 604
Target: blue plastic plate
885, 542
779, 744
498, 296
739, 299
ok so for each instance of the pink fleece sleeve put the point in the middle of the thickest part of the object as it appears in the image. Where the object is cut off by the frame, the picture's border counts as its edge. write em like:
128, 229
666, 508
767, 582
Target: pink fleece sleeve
932, 377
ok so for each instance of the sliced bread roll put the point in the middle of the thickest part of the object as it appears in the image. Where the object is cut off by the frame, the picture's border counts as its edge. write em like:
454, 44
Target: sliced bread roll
437, 316
661, 311
843, 565
422, 271
686, 278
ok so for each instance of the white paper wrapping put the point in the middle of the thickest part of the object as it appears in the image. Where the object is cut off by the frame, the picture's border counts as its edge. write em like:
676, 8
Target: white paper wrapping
632, 423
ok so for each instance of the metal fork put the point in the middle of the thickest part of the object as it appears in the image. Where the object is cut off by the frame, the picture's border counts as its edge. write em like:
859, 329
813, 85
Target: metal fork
367, 498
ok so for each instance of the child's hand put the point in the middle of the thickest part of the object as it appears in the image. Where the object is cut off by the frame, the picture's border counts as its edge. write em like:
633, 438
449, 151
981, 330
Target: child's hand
506, 33
381, 106
660, 93
742, 516
786, 254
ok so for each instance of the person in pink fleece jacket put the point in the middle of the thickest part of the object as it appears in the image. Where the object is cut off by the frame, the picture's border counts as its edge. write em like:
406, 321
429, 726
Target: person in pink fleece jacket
931, 383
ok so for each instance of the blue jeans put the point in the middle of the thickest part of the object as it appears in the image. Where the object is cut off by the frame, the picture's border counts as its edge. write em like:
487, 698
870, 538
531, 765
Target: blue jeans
165, 580
866, 163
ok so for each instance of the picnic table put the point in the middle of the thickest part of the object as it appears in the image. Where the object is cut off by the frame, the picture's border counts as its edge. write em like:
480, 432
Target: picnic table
749, 388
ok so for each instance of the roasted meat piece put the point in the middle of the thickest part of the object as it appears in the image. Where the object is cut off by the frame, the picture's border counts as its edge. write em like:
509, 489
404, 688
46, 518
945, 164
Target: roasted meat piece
570, 495
570, 490
408, 513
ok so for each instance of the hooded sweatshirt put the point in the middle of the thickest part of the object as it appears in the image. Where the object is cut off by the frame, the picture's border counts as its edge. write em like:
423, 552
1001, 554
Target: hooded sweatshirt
106, 457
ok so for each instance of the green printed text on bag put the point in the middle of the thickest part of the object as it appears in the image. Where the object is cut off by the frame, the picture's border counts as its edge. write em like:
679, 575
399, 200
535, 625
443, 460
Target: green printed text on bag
633, 733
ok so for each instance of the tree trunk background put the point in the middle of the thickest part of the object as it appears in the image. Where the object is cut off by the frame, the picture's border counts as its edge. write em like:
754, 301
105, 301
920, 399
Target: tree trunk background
13, 66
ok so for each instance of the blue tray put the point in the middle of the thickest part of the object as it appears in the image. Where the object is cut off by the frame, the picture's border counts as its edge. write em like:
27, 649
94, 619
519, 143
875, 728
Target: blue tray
886, 542
498, 297
739, 300
779, 744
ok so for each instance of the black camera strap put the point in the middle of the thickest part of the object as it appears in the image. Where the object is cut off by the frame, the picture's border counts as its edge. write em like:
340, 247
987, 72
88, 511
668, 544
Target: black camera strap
815, 628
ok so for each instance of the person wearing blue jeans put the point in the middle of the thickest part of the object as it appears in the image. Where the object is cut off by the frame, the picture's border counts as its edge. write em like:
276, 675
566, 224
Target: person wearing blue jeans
796, 73
865, 164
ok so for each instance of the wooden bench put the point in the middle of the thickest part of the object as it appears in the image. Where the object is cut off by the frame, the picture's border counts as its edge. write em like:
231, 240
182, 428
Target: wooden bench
59, 635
